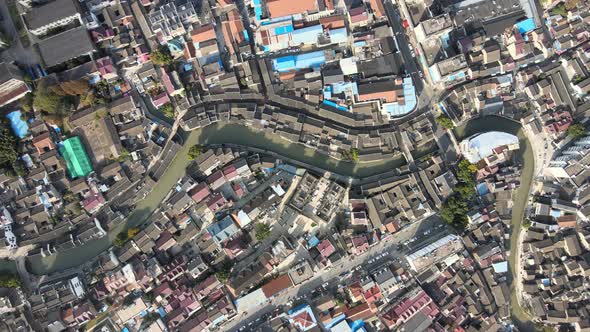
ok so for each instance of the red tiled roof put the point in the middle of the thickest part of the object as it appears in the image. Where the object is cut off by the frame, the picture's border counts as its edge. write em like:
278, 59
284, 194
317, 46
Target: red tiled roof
279, 8
199, 192
203, 33
277, 285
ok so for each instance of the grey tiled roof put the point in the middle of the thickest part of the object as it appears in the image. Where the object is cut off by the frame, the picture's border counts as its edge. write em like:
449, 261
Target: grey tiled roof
65, 46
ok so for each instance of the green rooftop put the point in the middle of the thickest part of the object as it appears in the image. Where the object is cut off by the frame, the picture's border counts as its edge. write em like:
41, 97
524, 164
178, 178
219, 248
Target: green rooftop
76, 157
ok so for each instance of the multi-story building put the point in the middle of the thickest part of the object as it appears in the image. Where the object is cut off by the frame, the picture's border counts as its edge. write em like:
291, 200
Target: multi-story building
12, 85
57, 13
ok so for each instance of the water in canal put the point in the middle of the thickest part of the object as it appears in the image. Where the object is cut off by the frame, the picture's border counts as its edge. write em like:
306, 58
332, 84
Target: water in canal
239, 134
525, 155
214, 134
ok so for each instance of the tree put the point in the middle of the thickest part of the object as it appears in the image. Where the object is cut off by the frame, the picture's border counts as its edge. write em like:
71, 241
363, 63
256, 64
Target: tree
262, 231
454, 211
8, 153
161, 56
466, 171
26, 103
120, 239
352, 154
194, 152
559, 10
168, 111
131, 232
9, 281
576, 130
526, 223
48, 101
224, 271
445, 122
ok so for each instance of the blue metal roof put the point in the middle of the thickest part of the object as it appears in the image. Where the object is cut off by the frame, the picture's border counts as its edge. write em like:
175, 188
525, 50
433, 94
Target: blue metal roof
307, 35
338, 35
300, 61
526, 25
284, 29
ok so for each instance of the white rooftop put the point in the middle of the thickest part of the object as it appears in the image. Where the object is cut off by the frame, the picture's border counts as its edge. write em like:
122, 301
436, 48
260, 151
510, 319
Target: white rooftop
479, 146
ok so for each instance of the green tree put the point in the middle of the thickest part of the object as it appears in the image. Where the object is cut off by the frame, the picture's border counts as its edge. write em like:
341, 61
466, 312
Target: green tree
8, 152
224, 271
26, 103
445, 122
576, 130
121, 239
48, 101
454, 211
466, 171
194, 152
168, 111
352, 154
262, 231
161, 56
131, 232
9, 281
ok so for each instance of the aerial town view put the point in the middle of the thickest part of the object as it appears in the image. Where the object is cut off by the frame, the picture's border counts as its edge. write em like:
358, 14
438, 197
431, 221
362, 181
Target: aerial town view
294, 165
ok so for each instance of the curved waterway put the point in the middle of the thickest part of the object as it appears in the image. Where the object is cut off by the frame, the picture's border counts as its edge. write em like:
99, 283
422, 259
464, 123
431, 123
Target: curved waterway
213, 134
242, 135
526, 157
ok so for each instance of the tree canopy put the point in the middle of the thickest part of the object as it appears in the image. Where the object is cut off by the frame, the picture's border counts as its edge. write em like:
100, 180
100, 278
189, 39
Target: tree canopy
445, 122
262, 231
454, 211
223, 271
47, 100
576, 130
161, 56
168, 110
8, 151
9, 281
194, 152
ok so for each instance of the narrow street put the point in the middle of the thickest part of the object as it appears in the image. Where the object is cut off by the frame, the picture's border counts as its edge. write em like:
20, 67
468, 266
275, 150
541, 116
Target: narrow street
334, 275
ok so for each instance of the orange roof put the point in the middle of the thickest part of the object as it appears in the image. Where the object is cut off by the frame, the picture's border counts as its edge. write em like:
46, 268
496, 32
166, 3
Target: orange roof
277, 285
377, 6
332, 22
233, 30
203, 33
278, 8
389, 96
361, 311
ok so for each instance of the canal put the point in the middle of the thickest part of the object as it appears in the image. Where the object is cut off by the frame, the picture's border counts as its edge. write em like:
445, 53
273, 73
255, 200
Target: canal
242, 135
525, 156
214, 134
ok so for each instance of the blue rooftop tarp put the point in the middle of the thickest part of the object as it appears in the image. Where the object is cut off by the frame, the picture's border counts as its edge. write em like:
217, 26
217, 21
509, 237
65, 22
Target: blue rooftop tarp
336, 106
526, 25
19, 127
